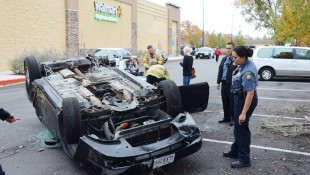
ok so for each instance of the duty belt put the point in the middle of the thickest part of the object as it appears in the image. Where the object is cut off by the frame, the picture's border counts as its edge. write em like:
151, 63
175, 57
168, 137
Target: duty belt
242, 94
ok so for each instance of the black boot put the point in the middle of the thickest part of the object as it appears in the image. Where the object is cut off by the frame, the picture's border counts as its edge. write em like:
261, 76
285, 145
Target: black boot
224, 120
239, 164
230, 154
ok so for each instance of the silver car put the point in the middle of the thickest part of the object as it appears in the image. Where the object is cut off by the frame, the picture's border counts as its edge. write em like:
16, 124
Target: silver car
204, 52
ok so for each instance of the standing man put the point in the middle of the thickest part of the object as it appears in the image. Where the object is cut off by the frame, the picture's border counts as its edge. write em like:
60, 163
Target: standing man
244, 86
151, 58
4, 115
224, 82
217, 53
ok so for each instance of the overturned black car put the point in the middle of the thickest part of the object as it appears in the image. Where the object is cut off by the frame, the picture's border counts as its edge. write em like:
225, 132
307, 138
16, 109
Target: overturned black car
111, 122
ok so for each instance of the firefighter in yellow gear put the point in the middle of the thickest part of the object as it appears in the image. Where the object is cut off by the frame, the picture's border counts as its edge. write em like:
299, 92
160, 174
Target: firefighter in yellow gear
157, 73
152, 58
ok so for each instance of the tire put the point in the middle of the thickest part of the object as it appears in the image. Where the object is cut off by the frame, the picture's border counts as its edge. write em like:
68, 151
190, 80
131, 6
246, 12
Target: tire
32, 72
173, 101
70, 126
266, 74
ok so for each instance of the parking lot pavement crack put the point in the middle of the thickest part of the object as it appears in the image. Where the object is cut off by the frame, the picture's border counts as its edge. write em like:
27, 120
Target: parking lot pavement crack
28, 146
12, 151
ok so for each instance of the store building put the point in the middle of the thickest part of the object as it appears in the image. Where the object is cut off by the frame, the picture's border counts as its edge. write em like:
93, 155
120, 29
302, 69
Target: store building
73, 26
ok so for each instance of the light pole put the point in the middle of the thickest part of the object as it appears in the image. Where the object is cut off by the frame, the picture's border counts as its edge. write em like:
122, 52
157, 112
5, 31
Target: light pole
232, 23
203, 23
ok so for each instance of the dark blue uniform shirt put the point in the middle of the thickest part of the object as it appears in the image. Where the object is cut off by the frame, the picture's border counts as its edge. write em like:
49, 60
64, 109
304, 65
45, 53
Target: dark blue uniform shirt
225, 67
245, 78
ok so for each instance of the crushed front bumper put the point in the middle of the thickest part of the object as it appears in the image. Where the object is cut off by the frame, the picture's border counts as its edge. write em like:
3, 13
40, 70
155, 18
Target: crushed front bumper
119, 157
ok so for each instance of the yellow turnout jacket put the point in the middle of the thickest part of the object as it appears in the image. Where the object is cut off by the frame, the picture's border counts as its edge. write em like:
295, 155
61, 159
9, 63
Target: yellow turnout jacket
148, 60
158, 71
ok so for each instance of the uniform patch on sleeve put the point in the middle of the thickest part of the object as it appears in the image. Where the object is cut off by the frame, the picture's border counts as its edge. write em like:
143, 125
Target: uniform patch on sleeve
248, 75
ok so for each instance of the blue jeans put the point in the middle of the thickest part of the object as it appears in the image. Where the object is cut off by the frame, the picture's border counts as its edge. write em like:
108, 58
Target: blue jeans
186, 80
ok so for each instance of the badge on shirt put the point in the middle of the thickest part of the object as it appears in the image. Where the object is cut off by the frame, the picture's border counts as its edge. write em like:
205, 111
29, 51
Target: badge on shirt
248, 75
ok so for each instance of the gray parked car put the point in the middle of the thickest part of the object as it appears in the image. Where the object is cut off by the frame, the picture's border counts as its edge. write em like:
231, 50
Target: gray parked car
113, 54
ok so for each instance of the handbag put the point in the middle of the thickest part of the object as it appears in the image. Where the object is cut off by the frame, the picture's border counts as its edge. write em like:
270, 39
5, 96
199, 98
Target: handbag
193, 73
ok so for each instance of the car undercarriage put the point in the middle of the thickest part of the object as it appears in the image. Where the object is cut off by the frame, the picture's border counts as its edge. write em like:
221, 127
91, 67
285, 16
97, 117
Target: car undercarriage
107, 119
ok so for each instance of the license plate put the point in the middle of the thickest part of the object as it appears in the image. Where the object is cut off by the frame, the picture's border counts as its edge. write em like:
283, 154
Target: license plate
161, 161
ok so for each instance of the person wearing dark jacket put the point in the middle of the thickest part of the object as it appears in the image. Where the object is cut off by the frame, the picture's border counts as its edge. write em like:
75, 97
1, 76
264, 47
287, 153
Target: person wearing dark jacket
224, 81
187, 65
4, 115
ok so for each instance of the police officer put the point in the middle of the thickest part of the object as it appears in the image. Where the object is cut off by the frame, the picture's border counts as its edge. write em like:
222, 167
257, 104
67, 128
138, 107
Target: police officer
226, 68
4, 115
151, 58
157, 73
244, 83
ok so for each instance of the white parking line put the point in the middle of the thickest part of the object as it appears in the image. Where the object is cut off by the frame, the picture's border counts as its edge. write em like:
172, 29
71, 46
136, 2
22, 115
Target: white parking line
283, 99
285, 82
276, 116
261, 147
297, 90
268, 98
270, 116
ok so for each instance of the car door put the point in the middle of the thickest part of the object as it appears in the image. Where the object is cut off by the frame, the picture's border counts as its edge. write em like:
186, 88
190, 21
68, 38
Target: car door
283, 61
302, 60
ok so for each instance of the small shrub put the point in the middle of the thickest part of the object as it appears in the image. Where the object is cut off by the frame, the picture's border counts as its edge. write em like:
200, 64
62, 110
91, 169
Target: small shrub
16, 65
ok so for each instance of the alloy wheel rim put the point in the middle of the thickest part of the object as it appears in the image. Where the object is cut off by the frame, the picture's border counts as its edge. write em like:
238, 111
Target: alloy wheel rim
266, 75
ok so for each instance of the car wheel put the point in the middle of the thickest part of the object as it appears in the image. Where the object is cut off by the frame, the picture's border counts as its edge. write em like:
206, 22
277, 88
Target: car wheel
70, 124
173, 102
266, 74
32, 72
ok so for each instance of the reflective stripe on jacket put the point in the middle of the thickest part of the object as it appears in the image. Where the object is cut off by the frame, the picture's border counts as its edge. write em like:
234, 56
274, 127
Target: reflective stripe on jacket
158, 71
147, 60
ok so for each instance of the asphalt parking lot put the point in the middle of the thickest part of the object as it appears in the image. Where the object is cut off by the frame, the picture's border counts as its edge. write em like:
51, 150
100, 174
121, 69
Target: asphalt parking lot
280, 132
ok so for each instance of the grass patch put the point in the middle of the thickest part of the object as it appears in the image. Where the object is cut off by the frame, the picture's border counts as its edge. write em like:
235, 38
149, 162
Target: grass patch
16, 65
298, 125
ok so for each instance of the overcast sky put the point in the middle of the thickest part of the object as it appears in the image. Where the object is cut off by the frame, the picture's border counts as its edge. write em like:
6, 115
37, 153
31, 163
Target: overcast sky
220, 16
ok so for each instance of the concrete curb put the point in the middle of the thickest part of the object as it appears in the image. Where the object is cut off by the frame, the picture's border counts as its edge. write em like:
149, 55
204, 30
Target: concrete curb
175, 59
11, 80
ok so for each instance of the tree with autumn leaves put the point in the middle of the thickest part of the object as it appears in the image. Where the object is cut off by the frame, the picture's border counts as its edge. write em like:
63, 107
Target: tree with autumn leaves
287, 20
192, 35
294, 24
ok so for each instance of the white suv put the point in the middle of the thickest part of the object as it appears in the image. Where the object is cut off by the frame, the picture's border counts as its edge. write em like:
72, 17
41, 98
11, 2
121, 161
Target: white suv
274, 61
